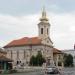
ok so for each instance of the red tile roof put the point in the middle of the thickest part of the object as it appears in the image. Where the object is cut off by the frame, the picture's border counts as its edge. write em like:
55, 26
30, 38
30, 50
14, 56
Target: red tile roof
28, 41
24, 41
56, 51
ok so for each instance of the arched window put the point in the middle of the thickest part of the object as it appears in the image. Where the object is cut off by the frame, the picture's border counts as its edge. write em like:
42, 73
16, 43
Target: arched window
41, 30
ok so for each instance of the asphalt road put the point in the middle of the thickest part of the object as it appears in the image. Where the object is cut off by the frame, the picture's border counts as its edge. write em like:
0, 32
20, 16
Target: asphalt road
35, 73
40, 73
30, 73
68, 71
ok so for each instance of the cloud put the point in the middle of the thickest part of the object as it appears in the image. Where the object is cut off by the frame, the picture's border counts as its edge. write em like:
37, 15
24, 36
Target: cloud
62, 30
20, 7
62, 6
12, 27
72, 28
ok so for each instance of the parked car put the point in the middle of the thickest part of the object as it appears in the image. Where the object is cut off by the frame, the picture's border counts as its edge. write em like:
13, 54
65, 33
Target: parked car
51, 70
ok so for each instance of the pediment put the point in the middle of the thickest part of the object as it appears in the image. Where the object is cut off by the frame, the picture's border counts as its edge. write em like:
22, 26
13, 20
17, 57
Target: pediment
47, 41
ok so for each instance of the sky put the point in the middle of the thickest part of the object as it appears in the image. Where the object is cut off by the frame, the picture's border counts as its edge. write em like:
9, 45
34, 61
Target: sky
19, 18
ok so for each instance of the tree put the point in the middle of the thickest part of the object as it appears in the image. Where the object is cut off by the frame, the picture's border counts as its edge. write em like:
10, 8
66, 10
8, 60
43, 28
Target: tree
37, 60
40, 59
33, 61
68, 60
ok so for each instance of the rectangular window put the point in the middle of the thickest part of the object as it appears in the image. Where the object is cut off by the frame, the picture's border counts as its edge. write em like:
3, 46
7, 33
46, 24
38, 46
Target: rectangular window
11, 54
17, 54
41, 30
24, 54
47, 30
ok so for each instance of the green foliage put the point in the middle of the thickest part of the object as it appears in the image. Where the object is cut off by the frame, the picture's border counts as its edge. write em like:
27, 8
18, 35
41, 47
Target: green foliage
68, 60
37, 60
13, 71
33, 61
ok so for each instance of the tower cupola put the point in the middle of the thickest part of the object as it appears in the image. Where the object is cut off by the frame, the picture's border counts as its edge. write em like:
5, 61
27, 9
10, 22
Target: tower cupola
44, 25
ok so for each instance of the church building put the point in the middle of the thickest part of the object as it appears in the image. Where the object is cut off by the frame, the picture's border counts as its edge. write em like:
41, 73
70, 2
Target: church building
21, 50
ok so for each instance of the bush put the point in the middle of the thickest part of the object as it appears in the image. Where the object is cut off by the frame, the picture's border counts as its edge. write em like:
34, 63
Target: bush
12, 71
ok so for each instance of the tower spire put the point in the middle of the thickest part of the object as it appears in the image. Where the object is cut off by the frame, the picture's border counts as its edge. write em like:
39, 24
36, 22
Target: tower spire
43, 14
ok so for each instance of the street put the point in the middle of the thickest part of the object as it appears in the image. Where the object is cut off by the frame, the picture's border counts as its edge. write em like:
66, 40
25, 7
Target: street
30, 73
42, 73
39, 73
68, 71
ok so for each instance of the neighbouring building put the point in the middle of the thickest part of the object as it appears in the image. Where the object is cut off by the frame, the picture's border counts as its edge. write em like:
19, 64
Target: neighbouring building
5, 63
70, 51
21, 50
58, 57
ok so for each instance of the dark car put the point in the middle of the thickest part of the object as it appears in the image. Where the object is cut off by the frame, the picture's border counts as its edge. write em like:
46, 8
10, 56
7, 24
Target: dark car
51, 70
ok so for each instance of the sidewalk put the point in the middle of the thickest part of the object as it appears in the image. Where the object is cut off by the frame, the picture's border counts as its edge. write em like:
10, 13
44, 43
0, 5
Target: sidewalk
29, 69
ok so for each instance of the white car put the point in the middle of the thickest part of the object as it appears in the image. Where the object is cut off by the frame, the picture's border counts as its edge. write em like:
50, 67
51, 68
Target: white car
51, 70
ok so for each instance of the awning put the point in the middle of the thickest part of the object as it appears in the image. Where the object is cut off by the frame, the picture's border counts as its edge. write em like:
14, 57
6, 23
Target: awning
3, 58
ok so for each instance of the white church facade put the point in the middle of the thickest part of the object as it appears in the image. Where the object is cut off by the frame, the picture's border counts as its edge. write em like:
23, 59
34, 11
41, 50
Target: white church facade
21, 50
